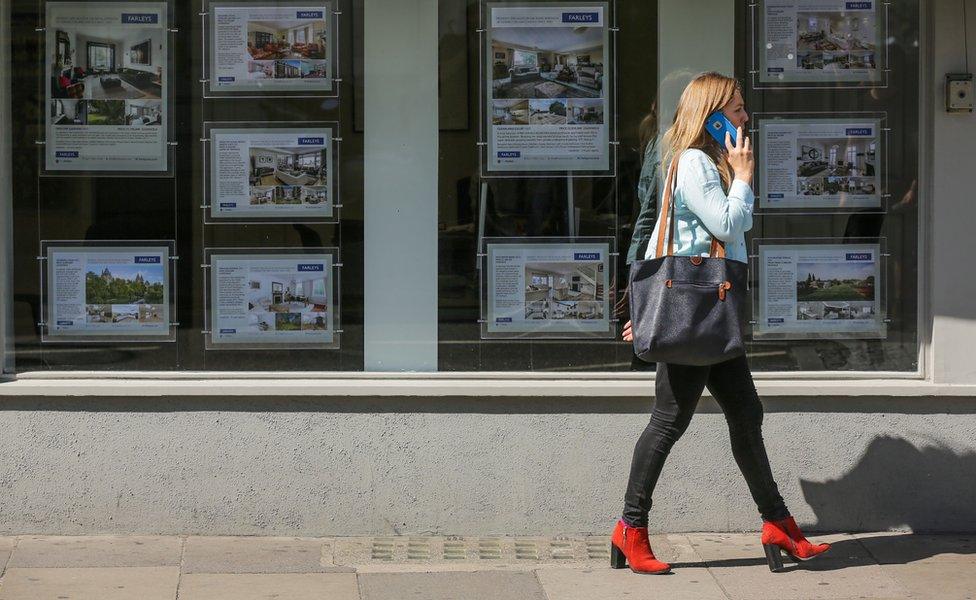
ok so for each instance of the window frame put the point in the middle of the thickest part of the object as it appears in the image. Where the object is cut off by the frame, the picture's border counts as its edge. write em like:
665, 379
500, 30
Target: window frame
847, 382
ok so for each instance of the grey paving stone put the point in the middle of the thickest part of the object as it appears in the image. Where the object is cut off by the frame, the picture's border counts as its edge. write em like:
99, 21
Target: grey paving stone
942, 581
688, 583
756, 582
483, 585
259, 555
264, 586
902, 548
100, 583
96, 551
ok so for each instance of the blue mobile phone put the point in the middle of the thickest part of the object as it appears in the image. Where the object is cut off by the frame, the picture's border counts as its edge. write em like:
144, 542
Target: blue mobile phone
718, 125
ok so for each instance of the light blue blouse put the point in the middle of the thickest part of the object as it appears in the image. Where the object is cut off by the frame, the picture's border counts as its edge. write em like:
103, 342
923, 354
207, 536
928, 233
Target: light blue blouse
702, 209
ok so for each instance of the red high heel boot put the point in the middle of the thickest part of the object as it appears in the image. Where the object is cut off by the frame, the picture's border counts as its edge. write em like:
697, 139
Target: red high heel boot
630, 545
786, 536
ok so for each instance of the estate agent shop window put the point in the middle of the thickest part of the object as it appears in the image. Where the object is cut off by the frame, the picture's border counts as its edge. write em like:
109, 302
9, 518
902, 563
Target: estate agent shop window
188, 182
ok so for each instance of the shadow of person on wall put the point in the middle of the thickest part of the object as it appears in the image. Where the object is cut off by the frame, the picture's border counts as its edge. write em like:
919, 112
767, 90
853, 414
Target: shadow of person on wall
898, 485
894, 485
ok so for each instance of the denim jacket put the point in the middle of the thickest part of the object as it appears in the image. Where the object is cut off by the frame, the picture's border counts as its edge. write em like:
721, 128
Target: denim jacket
702, 209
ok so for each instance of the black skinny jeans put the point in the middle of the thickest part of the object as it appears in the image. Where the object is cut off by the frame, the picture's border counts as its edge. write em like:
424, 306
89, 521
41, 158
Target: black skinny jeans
678, 388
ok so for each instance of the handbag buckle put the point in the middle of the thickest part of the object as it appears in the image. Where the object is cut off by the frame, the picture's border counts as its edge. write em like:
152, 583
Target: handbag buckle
696, 260
722, 288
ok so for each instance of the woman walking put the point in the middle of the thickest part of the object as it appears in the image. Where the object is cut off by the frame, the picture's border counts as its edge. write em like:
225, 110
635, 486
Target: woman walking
712, 198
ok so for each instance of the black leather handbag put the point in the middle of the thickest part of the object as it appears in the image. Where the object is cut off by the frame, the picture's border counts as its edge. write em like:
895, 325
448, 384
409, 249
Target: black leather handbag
687, 310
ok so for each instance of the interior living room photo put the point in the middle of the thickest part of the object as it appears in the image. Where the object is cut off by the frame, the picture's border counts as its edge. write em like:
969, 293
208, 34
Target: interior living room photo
547, 62
287, 166
568, 281
143, 113
89, 62
301, 297
269, 40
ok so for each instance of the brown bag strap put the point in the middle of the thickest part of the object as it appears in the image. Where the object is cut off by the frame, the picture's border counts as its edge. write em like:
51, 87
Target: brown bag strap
717, 249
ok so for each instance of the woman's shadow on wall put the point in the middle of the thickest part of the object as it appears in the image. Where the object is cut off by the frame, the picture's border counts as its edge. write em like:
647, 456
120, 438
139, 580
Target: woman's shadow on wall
897, 485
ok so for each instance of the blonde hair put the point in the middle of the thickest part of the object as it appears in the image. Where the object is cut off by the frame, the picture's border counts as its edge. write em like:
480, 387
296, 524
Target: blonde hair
704, 95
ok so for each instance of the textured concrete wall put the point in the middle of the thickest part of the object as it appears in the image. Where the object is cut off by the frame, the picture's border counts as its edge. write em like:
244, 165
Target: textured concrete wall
465, 466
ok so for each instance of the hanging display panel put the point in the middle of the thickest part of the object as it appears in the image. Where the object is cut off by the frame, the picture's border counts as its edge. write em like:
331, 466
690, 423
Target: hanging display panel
819, 42
820, 289
556, 288
547, 88
271, 172
95, 291
822, 162
261, 298
107, 77
271, 48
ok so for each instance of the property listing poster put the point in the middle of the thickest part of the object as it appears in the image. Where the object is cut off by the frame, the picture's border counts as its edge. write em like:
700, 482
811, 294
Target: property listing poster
820, 41
285, 47
820, 290
548, 288
271, 299
820, 163
108, 291
548, 72
106, 77
276, 172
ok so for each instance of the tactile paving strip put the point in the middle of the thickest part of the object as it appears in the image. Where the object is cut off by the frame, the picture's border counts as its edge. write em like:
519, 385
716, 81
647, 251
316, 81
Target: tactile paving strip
454, 549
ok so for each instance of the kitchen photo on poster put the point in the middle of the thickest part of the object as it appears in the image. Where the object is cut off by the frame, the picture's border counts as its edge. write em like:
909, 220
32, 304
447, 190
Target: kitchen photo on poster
548, 75
271, 172
272, 299
816, 290
106, 82
548, 288
826, 41
111, 291
267, 49
820, 163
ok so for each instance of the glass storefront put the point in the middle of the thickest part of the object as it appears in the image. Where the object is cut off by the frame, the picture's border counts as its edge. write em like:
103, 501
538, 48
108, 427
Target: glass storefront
188, 181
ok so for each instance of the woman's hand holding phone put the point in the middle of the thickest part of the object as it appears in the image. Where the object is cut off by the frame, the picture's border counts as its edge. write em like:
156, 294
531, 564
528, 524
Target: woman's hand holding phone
740, 156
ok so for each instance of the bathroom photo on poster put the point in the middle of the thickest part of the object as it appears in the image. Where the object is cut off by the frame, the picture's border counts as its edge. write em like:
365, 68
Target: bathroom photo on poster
268, 49
825, 41
106, 81
548, 74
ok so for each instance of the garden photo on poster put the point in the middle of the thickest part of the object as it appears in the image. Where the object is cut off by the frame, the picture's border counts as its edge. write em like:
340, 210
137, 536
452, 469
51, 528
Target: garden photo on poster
111, 291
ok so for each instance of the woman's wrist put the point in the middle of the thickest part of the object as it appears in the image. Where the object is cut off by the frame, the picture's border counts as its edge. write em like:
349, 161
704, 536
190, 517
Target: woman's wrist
745, 178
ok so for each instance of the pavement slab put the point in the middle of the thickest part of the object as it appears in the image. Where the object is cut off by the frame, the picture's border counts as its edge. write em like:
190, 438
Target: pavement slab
687, 583
482, 585
942, 581
259, 555
757, 582
264, 586
102, 583
96, 551
902, 548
